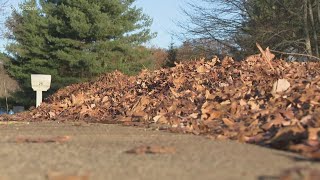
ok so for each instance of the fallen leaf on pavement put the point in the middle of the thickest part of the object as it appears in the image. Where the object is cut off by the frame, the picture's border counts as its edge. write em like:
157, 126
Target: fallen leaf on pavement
299, 173
58, 139
312, 155
152, 150
60, 176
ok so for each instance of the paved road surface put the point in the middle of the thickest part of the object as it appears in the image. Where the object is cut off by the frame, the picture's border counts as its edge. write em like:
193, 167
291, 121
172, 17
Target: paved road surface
99, 150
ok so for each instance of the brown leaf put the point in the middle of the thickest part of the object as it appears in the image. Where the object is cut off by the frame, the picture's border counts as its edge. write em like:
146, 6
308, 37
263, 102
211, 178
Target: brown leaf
61, 176
139, 114
269, 54
300, 173
228, 122
280, 85
78, 99
313, 133
266, 55
209, 96
234, 108
313, 155
201, 69
243, 102
251, 139
285, 135
153, 149
254, 106
277, 121
288, 114
303, 148
52, 114
57, 139
178, 82
160, 119
227, 61
306, 119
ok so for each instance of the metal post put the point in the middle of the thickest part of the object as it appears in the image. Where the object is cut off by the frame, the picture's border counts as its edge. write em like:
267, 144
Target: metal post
39, 98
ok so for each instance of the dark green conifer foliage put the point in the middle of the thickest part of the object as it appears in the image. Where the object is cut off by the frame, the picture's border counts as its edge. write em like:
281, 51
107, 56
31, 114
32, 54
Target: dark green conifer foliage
172, 56
75, 40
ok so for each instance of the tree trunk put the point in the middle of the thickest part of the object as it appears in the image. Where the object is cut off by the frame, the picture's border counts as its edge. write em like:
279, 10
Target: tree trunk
318, 10
314, 30
306, 27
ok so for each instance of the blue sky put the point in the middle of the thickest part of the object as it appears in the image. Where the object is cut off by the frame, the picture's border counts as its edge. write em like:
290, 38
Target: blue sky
163, 12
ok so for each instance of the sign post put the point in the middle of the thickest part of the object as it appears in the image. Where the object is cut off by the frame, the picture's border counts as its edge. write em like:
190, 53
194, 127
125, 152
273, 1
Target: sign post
39, 83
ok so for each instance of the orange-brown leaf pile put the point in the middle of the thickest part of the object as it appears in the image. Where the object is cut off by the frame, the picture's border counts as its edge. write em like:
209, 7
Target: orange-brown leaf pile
266, 102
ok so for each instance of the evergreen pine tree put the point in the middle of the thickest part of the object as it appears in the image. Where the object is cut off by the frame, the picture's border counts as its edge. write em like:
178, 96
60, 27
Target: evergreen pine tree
74, 40
172, 56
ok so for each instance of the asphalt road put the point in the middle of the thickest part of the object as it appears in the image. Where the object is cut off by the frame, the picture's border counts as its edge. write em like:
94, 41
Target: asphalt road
97, 152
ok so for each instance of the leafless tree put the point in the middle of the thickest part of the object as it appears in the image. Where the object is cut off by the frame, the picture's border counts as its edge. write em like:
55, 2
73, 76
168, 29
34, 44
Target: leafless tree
217, 20
286, 26
3, 6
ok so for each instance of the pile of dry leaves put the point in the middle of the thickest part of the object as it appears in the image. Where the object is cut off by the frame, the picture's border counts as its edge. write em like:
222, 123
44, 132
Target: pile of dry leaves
261, 100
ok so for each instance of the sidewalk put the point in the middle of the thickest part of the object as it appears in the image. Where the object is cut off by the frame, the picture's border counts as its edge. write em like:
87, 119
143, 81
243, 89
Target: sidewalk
97, 152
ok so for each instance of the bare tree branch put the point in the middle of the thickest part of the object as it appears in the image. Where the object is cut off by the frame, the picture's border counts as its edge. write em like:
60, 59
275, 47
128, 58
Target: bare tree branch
3, 6
238, 24
296, 54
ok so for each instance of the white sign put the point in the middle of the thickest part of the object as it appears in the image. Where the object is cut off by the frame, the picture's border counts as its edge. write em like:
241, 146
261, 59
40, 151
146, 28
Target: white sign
39, 83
